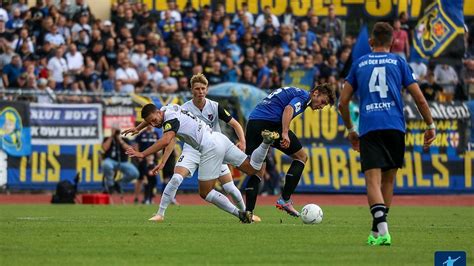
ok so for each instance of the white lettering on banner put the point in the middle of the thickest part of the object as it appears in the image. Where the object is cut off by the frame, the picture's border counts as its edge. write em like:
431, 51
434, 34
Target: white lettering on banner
119, 111
80, 115
441, 111
379, 106
62, 132
37, 114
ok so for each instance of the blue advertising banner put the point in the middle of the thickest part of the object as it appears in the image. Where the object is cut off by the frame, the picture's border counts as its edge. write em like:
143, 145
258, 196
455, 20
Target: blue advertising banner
15, 136
66, 123
301, 78
333, 167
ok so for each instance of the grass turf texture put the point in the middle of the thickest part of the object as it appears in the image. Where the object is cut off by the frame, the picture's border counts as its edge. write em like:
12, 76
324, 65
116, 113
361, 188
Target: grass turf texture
121, 235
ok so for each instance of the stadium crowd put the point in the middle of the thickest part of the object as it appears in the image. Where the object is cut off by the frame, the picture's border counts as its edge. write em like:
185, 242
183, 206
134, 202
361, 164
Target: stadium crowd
62, 47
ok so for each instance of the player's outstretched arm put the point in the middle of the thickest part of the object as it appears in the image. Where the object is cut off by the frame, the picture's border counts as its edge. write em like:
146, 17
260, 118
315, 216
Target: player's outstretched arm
166, 155
344, 101
135, 130
158, 146
422, 104
239, 131
285, 126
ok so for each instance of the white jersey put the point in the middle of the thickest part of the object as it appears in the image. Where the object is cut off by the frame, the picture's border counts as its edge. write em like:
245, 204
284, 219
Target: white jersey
187, 126
209, 114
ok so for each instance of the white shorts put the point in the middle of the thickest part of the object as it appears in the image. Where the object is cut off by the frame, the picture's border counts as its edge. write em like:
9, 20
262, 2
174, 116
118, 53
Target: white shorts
218, 150
190, 159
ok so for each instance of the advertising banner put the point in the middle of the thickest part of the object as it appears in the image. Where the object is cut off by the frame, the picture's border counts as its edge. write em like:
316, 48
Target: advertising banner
67, 124
15, 135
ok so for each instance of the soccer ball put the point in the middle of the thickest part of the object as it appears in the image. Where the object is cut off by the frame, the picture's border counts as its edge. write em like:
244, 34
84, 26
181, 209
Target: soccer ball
311, 214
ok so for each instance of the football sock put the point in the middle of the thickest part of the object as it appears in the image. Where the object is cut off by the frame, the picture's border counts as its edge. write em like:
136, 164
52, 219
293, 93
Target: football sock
169, 193
258, 156
234, 192
292, 179
251, 192
378, 214
222, 202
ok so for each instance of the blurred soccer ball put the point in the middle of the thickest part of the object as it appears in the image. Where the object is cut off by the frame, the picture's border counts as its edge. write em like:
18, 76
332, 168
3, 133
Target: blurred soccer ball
311, 214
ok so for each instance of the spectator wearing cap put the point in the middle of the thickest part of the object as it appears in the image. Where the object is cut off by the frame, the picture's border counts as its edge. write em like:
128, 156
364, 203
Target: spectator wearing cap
127, 75
167, 84
47, 95
107, 30
75, 60
11, 71
81, 25
57, 67
261, 19
54, 37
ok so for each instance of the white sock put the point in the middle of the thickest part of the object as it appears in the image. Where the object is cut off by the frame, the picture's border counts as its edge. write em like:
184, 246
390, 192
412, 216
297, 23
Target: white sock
258, 156
169, 193
383, 226
234, 192
222, 202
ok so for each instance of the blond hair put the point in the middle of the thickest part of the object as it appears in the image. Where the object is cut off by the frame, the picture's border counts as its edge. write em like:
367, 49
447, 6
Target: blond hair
199, 78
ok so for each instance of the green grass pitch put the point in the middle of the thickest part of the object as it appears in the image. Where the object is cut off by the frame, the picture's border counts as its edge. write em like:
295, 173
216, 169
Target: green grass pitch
204, 235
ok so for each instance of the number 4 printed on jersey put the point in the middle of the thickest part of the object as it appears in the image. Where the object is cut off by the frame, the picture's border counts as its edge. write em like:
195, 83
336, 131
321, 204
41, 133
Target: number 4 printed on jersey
378, 74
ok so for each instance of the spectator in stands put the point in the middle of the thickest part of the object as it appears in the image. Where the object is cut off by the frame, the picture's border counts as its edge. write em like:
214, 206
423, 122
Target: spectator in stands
430, 88
47, 95
467, 76
11, 71
81, 25
127, 75
401, 44
115, 159
57, 67
22, 38
16, 21
263, 73
447, 78
261, 19
231, 71
288, 18
248, 77
331, 24
75, 60
167, 84
419, 69
55, 37
108, 85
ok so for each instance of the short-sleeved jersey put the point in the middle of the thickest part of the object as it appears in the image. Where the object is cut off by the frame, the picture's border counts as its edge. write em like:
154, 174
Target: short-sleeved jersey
271, 108
377, 79
187, 126
210, 114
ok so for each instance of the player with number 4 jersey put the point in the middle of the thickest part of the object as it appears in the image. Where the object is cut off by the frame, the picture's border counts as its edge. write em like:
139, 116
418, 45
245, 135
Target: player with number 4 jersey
377, 79
275, 113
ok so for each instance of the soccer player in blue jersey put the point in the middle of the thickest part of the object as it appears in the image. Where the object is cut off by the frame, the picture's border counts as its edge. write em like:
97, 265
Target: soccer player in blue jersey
377, 79
275, 113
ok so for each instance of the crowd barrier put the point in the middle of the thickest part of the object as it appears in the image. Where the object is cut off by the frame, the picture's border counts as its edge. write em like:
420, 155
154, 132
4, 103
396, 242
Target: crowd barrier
48, 143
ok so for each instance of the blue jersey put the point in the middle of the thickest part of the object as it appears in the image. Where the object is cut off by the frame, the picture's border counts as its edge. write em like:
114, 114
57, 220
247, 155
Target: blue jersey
272, 107
378, 78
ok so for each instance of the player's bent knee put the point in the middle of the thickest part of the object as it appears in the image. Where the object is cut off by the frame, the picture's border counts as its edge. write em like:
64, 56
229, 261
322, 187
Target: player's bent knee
300, 156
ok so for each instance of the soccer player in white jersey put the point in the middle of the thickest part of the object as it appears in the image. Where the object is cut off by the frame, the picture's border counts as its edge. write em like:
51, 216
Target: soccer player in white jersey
210, 112
214, 147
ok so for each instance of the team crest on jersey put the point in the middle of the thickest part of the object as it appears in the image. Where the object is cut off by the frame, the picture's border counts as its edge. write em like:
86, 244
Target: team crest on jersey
167, 126
435, 31
210, 116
